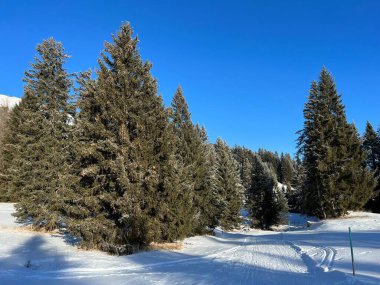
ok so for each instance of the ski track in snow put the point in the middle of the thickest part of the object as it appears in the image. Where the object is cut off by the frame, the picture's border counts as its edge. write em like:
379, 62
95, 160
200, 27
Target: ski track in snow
247, 257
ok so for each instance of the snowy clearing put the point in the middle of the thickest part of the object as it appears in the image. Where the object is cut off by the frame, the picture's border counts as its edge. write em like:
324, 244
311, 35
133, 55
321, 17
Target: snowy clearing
316, 255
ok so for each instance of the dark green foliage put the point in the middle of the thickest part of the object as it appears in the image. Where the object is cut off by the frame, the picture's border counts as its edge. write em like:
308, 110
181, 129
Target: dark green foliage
273, 160
204, 161
371, 144
193, 154
266, 203
244, 158
4, 117
10, 148
228, 189
125, 155
335, 177
294, 196
286, 170
39, 140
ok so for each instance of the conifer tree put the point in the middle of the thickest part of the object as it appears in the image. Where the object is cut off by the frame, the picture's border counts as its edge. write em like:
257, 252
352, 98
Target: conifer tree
228, 188
204, 179
126, 157
286, 170
244, 157
331, 156
39, 174
371, 145
294, 196
185, 155
11, 149
193, 155
266, 203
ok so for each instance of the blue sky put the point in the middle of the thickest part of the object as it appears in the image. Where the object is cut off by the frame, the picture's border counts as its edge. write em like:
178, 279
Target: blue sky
245, 66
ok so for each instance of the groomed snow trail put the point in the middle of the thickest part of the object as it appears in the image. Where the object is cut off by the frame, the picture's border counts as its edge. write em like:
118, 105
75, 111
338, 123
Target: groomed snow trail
316, 256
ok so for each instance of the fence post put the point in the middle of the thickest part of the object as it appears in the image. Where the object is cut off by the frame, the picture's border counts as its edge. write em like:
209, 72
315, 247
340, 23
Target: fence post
352, 252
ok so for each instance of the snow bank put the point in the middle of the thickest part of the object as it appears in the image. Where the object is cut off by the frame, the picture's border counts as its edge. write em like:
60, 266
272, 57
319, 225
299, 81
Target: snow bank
8, 101
317, 255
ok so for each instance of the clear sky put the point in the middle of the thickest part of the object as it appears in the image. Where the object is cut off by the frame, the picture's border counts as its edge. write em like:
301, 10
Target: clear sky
245, 66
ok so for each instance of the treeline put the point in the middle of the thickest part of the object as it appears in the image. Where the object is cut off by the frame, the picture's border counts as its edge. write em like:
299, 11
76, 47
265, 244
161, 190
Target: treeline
100, 156
103, 158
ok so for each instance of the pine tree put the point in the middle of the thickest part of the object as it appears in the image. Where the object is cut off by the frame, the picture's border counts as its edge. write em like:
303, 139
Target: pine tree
12, 146
371, 145
294, 195
125, 155
184, 209
4, 117
331, 157
39, 173
286, 170
204, 179
266, 203
228, 188
244, 157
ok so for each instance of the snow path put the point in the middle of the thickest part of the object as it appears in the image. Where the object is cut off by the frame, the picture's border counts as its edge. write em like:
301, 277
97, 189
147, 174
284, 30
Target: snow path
306, 256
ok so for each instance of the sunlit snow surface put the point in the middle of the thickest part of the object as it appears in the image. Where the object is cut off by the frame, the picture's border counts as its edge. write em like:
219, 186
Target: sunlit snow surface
316, 255
8, 101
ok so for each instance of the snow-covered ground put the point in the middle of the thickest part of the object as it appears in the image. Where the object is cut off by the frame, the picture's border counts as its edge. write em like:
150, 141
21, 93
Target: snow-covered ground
319, 254
8, 101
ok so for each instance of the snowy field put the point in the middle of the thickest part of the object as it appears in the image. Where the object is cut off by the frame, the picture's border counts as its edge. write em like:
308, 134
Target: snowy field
316, 255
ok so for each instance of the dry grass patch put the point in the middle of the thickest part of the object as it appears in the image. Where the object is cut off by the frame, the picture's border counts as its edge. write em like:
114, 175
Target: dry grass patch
165, 246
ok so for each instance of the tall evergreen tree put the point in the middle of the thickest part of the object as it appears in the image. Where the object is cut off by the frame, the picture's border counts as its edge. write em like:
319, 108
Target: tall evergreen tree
331, 156
40, 171
266, 203
286, 170
228, 188
193, 155
12, 145
244, 158
126, 158
185, 154
371, 144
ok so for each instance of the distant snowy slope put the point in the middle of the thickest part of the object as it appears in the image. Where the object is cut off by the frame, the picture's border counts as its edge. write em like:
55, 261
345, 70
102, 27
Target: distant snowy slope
9, 101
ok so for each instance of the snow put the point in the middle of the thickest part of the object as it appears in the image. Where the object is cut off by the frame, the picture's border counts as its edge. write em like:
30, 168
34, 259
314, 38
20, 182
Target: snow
319, 254
283, 187
8, 101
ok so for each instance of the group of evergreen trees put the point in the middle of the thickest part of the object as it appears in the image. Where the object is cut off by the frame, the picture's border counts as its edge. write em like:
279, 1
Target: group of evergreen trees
265, 201
114, 167
103, 158
336, 178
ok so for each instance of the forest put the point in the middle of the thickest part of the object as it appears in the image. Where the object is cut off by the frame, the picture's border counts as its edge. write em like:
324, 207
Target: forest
98, 155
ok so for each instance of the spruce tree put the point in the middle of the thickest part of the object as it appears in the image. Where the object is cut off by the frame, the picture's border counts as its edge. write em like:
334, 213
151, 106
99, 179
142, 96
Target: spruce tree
244, 157
40, 134
204, 182
184, 209
228, 188
12, 145
193, 157
331, 156
125, 156
286, 170
371, 145
266, 203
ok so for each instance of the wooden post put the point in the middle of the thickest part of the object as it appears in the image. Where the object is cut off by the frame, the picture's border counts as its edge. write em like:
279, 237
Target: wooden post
352, 251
